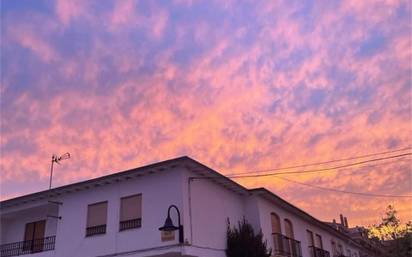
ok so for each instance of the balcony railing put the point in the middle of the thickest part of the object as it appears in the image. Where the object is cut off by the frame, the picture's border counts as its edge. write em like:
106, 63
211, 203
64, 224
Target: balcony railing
129, 224
285, 246
27, 247
318, 252
96, 230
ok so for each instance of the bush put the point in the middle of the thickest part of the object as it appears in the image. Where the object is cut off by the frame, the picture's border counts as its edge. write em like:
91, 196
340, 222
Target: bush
242, 242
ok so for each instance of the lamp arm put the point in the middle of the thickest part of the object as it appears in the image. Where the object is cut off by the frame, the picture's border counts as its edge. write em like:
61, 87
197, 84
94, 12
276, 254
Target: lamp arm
181, 236
178, 213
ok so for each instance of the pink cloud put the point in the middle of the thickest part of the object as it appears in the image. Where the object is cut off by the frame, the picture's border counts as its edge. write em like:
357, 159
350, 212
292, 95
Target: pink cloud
40, 47
124, 14
66, 11
232, 108
158, 23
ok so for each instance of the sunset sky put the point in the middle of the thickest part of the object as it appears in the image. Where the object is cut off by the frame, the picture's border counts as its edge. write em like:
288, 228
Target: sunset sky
240, 86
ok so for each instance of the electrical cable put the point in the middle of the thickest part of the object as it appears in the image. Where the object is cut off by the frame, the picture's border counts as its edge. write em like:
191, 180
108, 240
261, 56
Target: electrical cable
320, 163
344, 191
317, 170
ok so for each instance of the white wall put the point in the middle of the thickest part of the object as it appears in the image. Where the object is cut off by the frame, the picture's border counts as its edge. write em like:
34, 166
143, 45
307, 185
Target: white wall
158, 192
204, 217
211, 206
13, 225
252, 213
300, 226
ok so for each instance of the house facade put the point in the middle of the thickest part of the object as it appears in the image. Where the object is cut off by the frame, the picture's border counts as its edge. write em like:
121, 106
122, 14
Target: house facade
120, 215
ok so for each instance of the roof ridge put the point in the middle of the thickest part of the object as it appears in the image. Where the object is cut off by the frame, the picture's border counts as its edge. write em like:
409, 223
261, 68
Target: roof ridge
116, 174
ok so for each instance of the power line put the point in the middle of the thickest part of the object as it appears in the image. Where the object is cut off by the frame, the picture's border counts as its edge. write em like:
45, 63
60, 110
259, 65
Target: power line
318, 170
367, 166
320, 163
344, 191
371, 165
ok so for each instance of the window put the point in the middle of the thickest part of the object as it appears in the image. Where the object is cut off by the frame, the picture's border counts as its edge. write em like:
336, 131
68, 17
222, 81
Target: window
276, 232
309, 235
34, 236
96, 219
340, 249
275, 223
334, 248
292, 248
318, 241
289, 229
130, 212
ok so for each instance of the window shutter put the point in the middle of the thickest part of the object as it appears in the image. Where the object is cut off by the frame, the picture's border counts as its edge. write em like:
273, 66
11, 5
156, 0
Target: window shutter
97, 214
34, 236
309, 235
131, 208
28, 235
334, 248
288, 229
275, 223
318, 241
39, 229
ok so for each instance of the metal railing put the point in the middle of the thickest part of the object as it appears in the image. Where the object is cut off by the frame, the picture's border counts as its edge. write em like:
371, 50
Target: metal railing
96, 230
27, 247
318, 252
129, 224
285, 246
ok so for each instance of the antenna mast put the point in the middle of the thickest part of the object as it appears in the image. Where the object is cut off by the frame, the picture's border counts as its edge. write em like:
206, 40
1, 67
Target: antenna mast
57, 160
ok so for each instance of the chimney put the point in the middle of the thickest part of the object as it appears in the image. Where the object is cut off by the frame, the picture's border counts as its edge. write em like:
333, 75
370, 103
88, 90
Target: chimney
346, 222
335, 226
342, 222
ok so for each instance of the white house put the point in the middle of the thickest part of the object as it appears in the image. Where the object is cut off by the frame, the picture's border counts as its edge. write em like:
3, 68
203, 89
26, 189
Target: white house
120, 215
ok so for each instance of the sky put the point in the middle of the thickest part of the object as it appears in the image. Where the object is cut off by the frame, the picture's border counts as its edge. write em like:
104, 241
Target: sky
240, 86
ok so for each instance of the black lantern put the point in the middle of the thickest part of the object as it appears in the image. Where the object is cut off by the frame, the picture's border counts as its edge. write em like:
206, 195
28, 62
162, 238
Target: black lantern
169, 226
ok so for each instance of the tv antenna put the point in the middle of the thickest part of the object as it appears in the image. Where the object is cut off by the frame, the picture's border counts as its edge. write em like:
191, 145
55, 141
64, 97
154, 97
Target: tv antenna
55, 159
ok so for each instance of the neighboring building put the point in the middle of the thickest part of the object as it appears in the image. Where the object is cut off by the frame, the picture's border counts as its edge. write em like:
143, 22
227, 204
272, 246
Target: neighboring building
120, 215
370, 247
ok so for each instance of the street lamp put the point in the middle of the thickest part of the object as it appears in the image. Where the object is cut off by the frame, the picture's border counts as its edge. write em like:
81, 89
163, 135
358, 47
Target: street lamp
169, 226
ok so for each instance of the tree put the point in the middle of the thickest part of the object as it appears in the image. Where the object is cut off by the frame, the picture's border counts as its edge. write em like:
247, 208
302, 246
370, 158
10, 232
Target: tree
390, 228
242, 242
396, 237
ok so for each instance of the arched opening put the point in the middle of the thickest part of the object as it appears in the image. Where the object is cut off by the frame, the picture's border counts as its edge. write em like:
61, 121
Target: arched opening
275, 223
291, 246
289, 229
276, 233
334, 251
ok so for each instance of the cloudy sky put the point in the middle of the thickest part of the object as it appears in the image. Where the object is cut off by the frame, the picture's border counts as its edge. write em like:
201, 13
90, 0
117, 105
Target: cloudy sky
237, 85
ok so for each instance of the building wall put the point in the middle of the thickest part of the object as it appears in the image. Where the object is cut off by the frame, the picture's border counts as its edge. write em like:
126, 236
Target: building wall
252, 213
211, 207
158, 192
204, 216
300, 226
204, 205
13, 226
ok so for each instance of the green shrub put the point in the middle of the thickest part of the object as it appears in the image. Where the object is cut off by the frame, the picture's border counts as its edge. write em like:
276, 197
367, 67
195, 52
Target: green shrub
242, 242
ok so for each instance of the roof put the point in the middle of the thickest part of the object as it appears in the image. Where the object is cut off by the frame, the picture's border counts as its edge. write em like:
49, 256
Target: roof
200, 170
